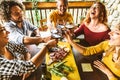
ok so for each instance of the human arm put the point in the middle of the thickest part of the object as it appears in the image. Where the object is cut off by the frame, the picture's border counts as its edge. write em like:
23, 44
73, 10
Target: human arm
79, 30
19, 50
36, 32
32, 40
101, 47
16, 67
21, 38
74, 44
99, 65
37, 59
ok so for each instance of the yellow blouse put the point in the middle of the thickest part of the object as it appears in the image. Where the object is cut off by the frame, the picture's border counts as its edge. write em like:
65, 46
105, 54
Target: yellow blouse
107, 60
54, 16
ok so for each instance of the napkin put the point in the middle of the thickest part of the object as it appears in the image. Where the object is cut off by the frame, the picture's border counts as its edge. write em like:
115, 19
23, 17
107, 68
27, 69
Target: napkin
86, 67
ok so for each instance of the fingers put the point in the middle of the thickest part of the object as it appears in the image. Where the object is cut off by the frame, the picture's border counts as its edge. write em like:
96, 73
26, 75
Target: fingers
99, 65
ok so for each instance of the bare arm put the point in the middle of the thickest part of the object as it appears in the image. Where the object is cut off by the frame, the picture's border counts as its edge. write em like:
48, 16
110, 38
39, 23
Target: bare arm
35, 40
75, 45
38, 58
99, 65
32, 40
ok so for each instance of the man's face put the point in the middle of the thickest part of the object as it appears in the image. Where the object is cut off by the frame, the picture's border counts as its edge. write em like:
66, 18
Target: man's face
16, 14
62, 7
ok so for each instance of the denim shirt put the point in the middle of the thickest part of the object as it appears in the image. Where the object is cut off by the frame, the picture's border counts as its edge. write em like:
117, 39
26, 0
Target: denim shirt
17, 34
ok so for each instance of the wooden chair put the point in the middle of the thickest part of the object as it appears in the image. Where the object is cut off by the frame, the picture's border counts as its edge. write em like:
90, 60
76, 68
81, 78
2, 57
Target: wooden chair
43, 24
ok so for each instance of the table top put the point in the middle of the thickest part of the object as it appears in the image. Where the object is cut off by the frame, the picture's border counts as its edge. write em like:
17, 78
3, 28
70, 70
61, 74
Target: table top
78, 59
70, 62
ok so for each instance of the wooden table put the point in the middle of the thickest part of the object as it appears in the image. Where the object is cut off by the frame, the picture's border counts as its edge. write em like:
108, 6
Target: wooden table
92, 75
78, 58
70, 62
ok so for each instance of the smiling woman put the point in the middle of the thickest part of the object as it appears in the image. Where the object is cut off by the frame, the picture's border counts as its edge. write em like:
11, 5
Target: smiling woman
4, 34
95, 24
15, 59
111, 49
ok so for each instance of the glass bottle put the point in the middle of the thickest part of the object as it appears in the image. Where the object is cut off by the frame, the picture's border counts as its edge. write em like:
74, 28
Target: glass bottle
45, 74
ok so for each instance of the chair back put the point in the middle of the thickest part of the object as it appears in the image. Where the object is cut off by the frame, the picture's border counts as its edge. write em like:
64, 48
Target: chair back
43, 24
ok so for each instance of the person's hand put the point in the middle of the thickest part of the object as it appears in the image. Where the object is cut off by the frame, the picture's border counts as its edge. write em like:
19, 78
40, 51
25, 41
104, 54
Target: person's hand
46, 39
99, 65
52, 43
68, 36
26, 75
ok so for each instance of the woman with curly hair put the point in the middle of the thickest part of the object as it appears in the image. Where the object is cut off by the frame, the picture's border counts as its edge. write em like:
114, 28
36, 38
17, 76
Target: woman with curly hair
94, 26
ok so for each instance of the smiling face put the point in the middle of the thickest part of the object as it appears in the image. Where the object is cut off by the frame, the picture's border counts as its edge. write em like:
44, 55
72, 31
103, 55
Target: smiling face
115, 36
95, 11
62, 6
16, 14
3, 36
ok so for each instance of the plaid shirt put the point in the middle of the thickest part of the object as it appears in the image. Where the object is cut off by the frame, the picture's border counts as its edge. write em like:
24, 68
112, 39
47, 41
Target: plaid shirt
8, 68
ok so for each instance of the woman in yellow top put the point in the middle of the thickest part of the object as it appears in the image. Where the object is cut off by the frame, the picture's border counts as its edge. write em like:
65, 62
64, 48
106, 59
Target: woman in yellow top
110, 64
59, 16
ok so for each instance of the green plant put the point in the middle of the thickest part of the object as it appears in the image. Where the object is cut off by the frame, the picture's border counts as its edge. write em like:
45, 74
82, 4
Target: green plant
37, 16
36, 12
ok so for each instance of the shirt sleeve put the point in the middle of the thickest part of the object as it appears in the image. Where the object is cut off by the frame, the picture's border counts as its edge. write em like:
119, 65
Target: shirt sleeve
79, 30
70, 18
13, 47
15, 34
15, 67
101, 47
113, 78
29, 26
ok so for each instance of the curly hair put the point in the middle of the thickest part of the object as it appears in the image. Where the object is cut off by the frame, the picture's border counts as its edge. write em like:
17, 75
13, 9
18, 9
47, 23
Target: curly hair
102, 14
5, 8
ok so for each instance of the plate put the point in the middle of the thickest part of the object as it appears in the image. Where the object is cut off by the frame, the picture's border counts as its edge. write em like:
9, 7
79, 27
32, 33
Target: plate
56, 36
69, 26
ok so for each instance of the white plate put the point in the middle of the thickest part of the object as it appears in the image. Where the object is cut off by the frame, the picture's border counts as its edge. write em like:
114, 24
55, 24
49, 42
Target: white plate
56, 36
69, 26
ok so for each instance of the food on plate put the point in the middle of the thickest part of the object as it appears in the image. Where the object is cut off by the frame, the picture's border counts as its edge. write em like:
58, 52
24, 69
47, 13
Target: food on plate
57, 54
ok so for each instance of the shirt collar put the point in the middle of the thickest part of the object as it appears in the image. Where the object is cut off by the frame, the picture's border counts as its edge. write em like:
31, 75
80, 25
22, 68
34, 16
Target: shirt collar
12, 22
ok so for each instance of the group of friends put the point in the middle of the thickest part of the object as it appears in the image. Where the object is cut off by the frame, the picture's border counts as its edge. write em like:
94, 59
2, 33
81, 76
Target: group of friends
15, 58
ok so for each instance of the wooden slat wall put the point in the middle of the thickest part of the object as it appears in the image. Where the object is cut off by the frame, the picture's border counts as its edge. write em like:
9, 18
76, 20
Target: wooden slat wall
77, 9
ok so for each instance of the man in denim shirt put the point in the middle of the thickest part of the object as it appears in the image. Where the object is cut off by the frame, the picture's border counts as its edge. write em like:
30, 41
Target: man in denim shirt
19, 28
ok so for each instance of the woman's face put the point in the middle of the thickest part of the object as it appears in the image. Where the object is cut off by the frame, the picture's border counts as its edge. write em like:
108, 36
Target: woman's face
94, 11
3, 36
114, 37
62, 7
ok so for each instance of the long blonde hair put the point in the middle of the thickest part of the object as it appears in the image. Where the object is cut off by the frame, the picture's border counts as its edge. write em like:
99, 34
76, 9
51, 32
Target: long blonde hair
112, 49
102, 15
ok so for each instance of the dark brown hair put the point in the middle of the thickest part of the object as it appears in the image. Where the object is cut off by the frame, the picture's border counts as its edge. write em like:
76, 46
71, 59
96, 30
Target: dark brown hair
5, 8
